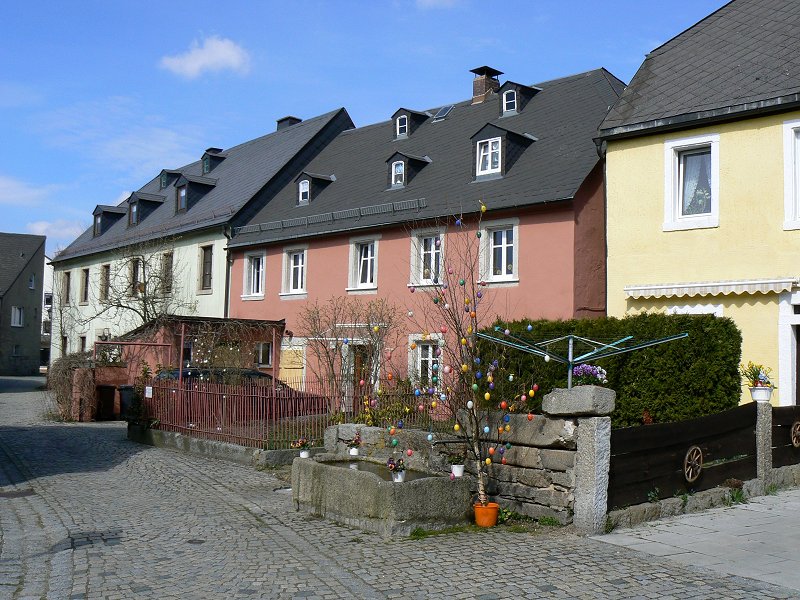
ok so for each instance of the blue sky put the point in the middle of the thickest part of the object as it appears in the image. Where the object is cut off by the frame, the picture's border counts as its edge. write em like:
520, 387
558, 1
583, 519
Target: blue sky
97, 97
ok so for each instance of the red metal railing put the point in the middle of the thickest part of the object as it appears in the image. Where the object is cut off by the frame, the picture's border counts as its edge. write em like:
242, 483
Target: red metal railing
256, 415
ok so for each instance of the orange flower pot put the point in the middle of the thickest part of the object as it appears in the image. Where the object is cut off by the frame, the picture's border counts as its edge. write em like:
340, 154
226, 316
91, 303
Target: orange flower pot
486, 516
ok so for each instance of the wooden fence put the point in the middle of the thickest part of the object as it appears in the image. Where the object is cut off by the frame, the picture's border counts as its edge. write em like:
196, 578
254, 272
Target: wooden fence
659, 461
785, 436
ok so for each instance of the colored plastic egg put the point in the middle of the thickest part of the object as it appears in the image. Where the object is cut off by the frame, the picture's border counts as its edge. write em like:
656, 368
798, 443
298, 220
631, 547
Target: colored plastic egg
470, 404
409, 452
430, 437
530, 416
504, 405
456, 427
485, 429
487, 396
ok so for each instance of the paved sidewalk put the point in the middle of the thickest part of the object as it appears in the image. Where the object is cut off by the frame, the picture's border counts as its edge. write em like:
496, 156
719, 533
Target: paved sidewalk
84, 513
759, 539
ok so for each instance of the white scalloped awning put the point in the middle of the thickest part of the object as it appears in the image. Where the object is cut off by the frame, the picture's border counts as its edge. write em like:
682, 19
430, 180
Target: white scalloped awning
711, 288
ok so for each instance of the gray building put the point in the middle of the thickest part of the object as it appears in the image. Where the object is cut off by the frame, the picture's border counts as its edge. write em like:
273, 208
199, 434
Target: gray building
21, 280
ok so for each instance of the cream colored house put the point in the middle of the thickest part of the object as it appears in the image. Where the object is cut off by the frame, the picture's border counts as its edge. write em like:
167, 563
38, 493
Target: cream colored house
703, 182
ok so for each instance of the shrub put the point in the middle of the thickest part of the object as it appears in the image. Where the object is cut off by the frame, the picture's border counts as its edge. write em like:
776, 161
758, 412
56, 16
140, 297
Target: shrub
679, 380
60, 382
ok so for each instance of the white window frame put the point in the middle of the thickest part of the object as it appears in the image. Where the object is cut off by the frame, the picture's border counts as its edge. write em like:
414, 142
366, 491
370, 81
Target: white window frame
791, 174
182, 198
487, 250
402, 173
416, 276
98, 224
17, 316
673, 219
415, 355
32, 281
201, 290
303, 189
86, 282
260, 352
695, 309
355, 261
288, 271
253, 283
401, 129
488, 145
512, 95
133, 214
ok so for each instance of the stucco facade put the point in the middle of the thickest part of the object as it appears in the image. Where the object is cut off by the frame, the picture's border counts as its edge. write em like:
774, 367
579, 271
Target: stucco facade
746, 262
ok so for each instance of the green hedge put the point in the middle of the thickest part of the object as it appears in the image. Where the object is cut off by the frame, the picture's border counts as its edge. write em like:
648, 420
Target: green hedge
678, 380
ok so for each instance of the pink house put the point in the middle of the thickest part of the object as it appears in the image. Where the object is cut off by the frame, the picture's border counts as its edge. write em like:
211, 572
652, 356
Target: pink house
374, 214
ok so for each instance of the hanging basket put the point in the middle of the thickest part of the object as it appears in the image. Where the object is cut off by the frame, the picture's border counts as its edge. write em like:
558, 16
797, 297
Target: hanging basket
486, 516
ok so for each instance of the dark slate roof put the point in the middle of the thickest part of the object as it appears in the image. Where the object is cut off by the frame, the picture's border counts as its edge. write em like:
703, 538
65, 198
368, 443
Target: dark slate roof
16, 251
246, 170
563, 117
742, 58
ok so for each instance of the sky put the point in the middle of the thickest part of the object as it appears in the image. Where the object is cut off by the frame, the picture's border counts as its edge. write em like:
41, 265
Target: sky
97, 97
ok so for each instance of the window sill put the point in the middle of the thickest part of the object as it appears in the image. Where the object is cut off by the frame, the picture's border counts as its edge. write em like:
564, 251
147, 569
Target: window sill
86, 303
684, 225
510, 282
488, 177
362, 290
204, 292
294, 295
249, 297
19, 326
791, 225
423, 285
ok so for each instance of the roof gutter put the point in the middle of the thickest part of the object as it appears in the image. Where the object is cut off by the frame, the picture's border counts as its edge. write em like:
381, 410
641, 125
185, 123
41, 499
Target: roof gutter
695, 119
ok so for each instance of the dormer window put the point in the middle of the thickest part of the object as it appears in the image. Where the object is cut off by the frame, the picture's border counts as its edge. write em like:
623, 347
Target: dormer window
206, 164
133, 213
181, 199
402, 126
164, 181
398, 173
303, 192
488, 157
98, 223
510, 102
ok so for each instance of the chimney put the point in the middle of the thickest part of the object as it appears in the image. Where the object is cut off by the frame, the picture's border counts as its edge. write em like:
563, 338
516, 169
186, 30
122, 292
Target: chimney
287, 122
485, 83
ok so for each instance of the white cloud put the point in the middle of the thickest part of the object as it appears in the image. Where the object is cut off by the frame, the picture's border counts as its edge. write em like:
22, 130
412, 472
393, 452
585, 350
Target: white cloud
14, 192
127, 145
427, 4
59, 230
215, 54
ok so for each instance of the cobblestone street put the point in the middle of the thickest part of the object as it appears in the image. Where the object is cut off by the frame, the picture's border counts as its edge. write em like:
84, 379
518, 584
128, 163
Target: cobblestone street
84, 513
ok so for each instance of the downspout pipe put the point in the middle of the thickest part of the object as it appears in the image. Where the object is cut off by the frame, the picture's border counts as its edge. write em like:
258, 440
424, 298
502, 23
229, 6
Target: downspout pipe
227, 231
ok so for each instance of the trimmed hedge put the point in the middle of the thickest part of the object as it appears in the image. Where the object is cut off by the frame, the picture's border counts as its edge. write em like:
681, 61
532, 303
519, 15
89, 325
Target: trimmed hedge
677, 380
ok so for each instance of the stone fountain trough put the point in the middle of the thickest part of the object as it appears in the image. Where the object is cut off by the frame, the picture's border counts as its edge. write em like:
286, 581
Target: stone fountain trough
358, 491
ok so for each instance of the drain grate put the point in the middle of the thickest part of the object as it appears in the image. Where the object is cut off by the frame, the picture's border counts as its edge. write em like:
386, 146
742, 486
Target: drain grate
18, 493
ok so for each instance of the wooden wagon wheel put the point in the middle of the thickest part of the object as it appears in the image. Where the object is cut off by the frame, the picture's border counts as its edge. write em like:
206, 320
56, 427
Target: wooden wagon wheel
796, 434
693, 464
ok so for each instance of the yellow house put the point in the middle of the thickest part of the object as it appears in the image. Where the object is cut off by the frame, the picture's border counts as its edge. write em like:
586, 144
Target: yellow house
703, 182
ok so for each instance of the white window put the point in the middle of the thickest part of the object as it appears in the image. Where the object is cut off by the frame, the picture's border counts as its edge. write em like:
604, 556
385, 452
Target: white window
32, 282
423, 361
182, 202
509, 102
98, 222
16, 350
294, 271
429, 261
263, 354
691, 183
254, 276
500, 250
402, 125
363, 264
303, 193
17, 316
398, 173
133, 214
488, 157
791, 173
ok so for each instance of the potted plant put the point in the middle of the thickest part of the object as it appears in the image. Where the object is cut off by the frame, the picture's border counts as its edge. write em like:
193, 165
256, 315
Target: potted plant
587, 374
303, 444
397, 468
757, 377
355, 443
457, 462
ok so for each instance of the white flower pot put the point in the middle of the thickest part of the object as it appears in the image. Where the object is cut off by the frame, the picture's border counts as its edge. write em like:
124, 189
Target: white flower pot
457, 470
398, 477
353, 451
761, 394
305, 454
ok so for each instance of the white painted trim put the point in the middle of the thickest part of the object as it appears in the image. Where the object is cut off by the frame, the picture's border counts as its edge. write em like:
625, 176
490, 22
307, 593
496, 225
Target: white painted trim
415, 258
489, 170
787, 348
286, 271
791, 174
393, 183
353, 261
300, 200
246, 279
673, 221
397, 126
414, 356
510, 111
